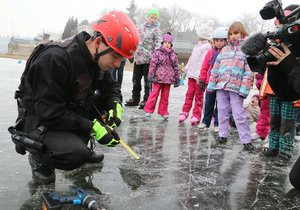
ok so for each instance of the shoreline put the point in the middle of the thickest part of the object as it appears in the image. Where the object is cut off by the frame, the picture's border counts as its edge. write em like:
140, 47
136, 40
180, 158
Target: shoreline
128, 65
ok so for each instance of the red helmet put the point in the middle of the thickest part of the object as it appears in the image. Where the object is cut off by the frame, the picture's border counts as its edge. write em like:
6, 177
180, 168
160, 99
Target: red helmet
119, 32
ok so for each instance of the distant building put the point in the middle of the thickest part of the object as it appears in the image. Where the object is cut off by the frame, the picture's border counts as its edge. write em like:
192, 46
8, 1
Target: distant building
183, 44
47, 36
24, 47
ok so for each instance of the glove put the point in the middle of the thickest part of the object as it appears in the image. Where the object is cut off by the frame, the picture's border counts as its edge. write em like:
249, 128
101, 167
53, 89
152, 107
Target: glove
176, 84
202, 86
152, 79
115, 115
104, 134
259, 78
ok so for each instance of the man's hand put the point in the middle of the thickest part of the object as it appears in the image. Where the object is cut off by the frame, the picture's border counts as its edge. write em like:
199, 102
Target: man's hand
115, 115
278, 54
104, 134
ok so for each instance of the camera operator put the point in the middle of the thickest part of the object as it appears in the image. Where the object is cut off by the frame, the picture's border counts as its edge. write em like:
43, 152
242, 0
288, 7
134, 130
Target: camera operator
287, 66
287, 61
290, 65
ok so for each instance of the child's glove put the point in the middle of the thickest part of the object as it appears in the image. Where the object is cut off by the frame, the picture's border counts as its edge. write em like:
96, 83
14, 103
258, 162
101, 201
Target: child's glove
104, 134
258, 78
176, 84
202, 85
152, 79
115, 115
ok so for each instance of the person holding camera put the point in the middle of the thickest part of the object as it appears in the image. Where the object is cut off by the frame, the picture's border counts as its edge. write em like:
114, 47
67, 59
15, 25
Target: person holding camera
282, 110
64, 88
288, 65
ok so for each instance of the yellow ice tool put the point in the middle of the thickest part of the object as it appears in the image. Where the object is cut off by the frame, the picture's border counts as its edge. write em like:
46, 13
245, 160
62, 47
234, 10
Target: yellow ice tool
129, 149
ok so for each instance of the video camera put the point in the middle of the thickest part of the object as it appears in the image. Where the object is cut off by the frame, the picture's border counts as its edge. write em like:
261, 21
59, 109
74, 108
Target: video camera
256, 47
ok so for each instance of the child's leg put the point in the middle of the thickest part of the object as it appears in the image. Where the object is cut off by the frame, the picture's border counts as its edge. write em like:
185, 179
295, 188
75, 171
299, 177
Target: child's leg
240, 117
198, 103
164, 99
210, 98
274, 123
189, 96
287, 128
263, 122
223, 101
216, 122
151, 102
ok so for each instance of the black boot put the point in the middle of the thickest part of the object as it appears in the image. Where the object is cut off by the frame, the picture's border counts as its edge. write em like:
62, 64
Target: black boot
142, 105
283, 160
132, 102
41, 174
248, 147
222, 140
97, 157
270, 152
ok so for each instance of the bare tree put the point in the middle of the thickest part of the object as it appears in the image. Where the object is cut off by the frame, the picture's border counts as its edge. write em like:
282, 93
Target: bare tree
132, 10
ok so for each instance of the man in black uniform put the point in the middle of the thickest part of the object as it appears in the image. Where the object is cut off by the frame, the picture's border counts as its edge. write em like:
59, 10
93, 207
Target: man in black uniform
63, 90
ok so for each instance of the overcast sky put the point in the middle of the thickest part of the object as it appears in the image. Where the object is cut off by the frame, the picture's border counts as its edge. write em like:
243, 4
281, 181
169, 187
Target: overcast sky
30, 17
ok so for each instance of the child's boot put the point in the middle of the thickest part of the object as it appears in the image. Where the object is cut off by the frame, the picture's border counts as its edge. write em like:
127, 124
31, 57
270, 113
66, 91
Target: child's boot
248, 147
195, 121
182, 117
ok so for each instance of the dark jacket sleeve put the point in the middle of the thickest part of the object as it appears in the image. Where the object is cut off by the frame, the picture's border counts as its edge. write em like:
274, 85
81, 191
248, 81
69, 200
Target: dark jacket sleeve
292, 71
279, 81
49, 77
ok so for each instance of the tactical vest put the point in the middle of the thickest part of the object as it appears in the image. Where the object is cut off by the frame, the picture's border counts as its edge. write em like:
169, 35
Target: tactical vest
81, 90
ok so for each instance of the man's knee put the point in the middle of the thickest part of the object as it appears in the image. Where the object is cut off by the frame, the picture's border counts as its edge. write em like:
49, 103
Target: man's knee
275, 123
287, 128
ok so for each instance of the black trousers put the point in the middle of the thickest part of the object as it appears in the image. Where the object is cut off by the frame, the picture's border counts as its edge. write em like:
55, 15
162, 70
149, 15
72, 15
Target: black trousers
140, 71
295, 174
66, 151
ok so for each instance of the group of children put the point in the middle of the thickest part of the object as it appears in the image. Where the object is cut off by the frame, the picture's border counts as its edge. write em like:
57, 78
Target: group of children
219, 69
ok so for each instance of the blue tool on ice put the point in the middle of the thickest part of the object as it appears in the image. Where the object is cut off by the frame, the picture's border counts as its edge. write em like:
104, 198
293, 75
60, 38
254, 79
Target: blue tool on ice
54, 201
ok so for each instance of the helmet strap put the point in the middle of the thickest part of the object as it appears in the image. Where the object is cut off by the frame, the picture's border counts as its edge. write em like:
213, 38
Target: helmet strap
97, 55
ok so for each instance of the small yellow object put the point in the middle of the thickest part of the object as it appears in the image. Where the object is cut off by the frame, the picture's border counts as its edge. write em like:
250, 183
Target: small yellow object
129, 149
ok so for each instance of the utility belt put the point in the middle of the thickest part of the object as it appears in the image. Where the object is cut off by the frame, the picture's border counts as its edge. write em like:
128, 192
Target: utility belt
31, 142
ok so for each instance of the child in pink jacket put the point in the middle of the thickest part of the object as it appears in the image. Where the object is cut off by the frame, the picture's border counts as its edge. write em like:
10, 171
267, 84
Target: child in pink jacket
193, 66
163, 72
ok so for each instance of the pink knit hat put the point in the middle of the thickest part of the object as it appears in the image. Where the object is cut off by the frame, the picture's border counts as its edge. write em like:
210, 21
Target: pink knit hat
168, 38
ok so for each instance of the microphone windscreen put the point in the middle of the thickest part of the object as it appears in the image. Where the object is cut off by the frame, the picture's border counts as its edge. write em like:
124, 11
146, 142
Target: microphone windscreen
254, 44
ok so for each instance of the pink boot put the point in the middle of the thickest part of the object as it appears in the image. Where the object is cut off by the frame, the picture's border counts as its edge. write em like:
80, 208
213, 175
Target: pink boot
195, 121
182, 117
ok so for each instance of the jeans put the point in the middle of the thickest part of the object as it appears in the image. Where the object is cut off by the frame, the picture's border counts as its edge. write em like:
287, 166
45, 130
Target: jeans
210, 109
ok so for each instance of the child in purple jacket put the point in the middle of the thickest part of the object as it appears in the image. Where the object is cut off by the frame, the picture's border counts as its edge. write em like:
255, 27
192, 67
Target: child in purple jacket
163, 72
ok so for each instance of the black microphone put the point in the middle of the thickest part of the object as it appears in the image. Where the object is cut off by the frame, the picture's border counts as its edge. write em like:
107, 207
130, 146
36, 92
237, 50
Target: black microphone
254, 44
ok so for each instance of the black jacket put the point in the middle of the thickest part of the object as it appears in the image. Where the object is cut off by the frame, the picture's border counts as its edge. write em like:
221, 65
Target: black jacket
293, 72
278, 79
62, 81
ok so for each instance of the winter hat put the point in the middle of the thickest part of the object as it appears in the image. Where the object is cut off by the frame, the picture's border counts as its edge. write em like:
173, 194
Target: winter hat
167, 38
205, 30
220, 33
153, 11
